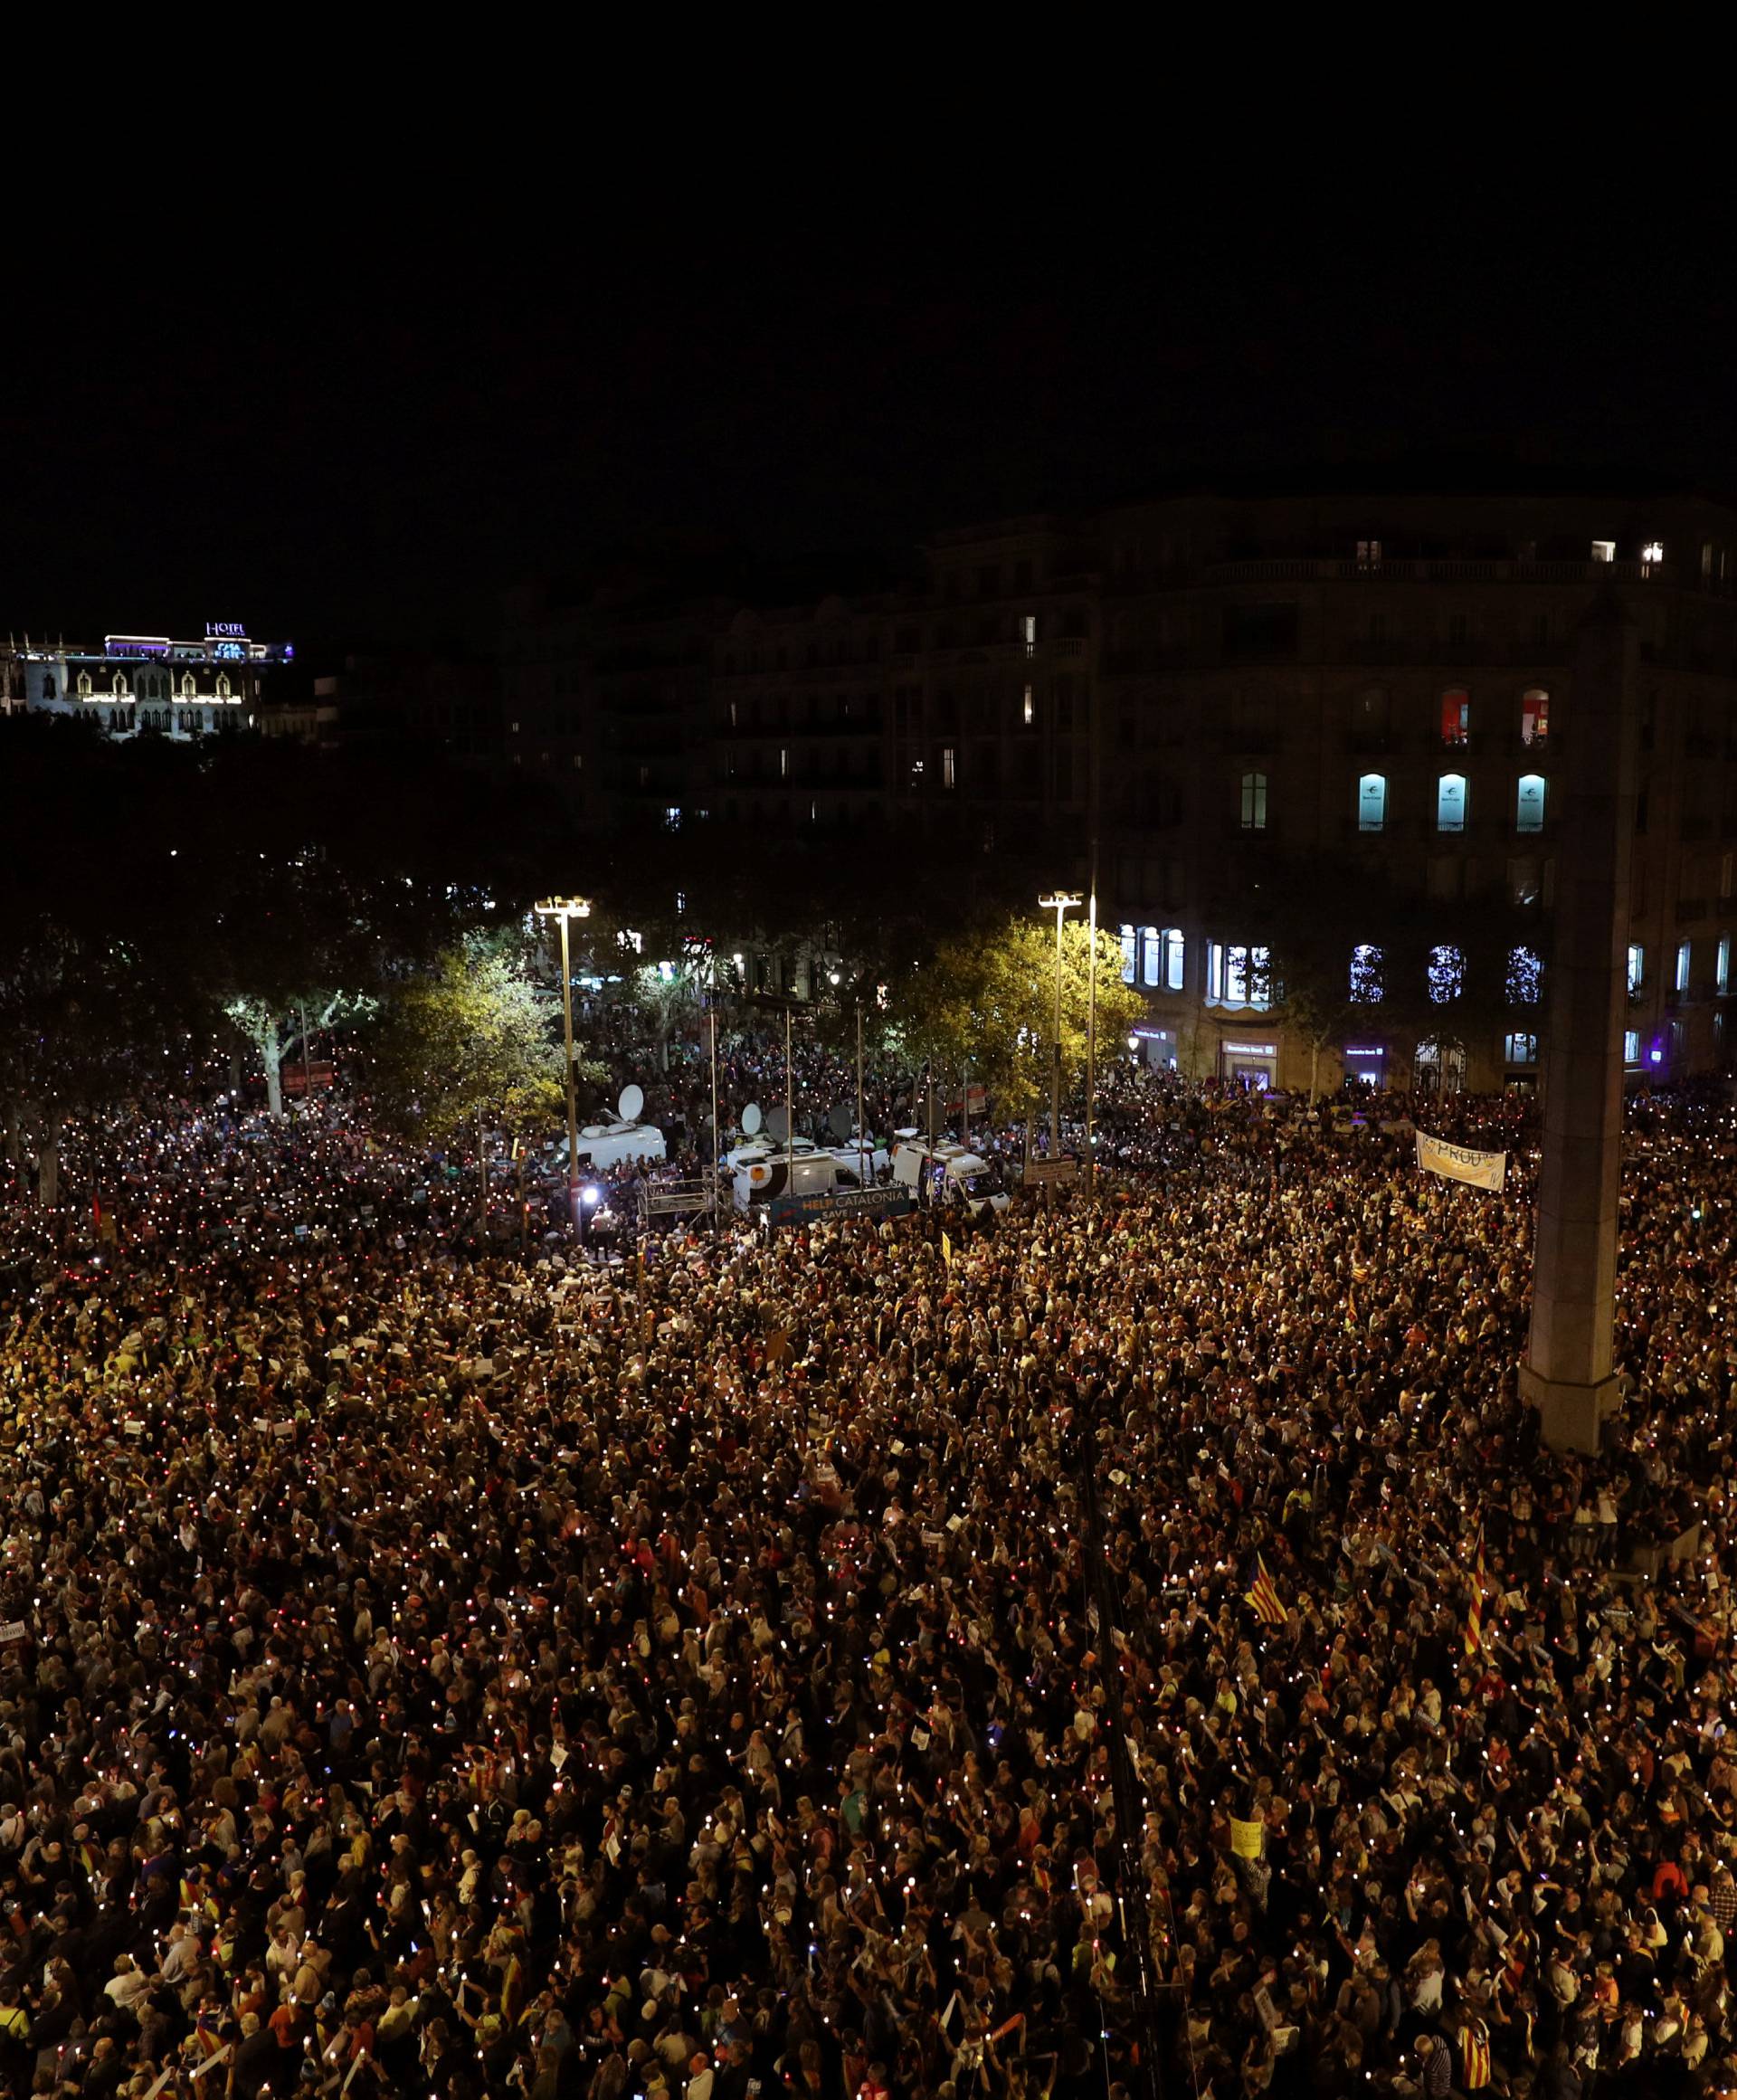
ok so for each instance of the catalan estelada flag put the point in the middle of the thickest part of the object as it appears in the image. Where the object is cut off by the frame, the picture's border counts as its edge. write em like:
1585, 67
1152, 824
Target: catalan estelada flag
1474, 1615
1263, 1597
1475, 2055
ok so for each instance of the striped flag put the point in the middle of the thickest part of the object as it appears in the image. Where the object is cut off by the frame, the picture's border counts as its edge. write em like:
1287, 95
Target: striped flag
1474, 2072
1263, 1597
947, 1251
1474, 1615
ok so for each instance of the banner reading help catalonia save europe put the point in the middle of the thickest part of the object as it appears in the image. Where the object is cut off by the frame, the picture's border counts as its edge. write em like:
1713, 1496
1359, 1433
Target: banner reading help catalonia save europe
1460, 1162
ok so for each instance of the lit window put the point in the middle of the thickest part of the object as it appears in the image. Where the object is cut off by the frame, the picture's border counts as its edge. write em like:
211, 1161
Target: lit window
1175, 954
1372, 802
1722, 967
1456, 716
1450, 802
1604, 550
1151, 959
1447, 973
1028, 632
1685, 955
1236, 976
1529, 802
1654, 551
1520, 1049
1631, 1046
1368, 975
1029, 708
1637, 966
1369, 554
1534, 716
1254, 802
673, 818
1525, 975
948, 775
1130, 952
784, 762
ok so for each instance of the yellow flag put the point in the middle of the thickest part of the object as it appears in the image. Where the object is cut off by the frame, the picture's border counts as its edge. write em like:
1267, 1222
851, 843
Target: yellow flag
1247, 1839
947, 1251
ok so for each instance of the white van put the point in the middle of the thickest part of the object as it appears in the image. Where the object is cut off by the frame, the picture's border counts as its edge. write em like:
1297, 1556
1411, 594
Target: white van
607, 1144
758, 1172
951, 1173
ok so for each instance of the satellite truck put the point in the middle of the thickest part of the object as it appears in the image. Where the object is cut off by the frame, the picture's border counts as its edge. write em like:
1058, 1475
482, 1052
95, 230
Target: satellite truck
606, 1144
945, 1174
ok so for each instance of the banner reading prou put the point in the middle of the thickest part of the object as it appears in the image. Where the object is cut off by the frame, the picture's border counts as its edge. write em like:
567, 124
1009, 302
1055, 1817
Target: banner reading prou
1460, 1162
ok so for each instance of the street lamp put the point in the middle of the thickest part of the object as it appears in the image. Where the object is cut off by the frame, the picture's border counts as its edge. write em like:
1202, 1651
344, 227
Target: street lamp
1061, 902
566, 908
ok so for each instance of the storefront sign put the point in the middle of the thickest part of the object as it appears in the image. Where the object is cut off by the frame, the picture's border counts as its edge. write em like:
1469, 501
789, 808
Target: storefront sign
1460, 1162
1250, 1049
1364, 1049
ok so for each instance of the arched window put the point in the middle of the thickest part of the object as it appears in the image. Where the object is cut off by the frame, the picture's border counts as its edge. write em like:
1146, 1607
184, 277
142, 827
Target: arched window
1529, 802
1447, 973
1254, 802
1525, 977
84, 684
1372, 802
1450, 802
223, 694
1456, 716
186, 685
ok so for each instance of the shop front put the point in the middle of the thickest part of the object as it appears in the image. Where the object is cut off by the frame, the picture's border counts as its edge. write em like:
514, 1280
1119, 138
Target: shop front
1252, 1065
1366, 1062
1155, 1047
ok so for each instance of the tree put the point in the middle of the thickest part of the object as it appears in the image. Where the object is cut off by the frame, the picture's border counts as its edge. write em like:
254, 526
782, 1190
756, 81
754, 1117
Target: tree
273, 1024
666, 994
472, 1044
989, 1004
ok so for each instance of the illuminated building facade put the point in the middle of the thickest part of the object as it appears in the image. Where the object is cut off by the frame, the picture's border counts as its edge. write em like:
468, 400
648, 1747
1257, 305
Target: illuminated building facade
134, 683
1235, 696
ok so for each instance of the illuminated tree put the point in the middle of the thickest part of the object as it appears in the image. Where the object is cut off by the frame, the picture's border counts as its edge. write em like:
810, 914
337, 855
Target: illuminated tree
989, 1005
472, 1044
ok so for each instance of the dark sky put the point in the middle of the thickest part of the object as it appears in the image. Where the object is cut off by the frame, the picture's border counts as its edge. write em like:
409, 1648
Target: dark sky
372, 437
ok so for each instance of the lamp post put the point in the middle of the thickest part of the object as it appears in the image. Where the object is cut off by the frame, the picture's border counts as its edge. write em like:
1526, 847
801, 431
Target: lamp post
566, 908
1061, 902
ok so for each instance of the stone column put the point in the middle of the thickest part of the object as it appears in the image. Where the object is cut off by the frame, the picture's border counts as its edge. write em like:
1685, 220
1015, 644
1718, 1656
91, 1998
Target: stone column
1567, 1373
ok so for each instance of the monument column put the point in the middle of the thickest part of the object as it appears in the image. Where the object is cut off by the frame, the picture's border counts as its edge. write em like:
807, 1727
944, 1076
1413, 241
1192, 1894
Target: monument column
1567, 1373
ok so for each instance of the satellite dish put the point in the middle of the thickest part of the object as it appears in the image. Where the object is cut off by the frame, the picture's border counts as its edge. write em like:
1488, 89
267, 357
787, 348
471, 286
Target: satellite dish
778, 1123
631, 1101
752, 1119
838, 1123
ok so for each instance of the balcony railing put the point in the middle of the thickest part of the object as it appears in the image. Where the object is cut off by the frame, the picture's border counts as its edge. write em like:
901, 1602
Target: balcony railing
1316, 570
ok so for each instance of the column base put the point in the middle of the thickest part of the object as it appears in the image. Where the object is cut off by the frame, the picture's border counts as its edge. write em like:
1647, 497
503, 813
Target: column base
1573, 1416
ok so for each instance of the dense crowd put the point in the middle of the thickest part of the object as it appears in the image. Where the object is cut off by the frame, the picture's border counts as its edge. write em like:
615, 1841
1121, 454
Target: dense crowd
855, 1665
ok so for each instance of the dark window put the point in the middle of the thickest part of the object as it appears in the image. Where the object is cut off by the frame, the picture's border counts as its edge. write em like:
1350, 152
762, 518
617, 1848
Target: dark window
1260, 630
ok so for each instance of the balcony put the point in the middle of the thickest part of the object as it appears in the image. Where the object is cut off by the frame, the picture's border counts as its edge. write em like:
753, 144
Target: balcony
1306, 569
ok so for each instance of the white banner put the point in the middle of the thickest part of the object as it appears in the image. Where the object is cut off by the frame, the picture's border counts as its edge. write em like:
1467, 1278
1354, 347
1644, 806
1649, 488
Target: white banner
1459, 1163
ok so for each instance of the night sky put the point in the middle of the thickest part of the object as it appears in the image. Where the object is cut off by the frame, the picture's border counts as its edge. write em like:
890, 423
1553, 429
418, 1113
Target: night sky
371, 450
